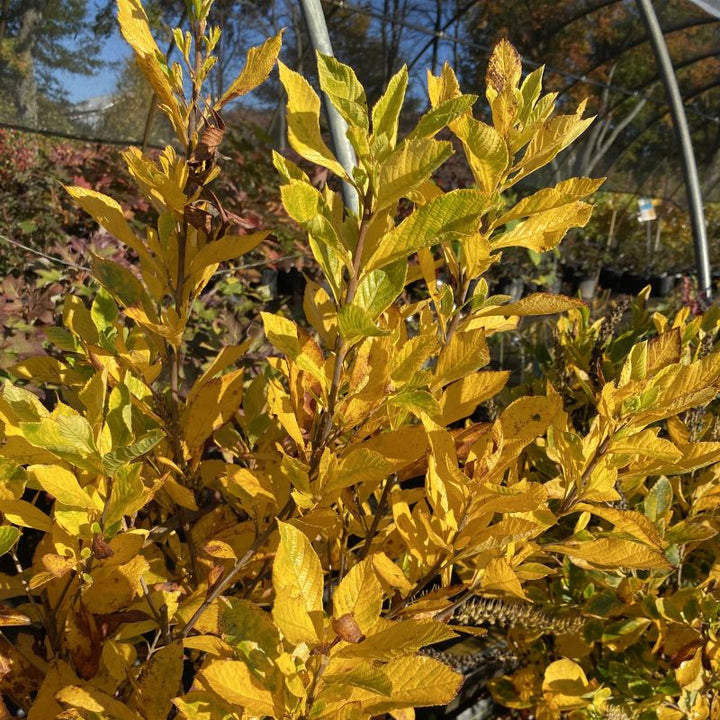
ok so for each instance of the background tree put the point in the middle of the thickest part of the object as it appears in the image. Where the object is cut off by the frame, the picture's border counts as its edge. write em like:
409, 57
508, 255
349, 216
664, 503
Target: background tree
37, 39
602, 46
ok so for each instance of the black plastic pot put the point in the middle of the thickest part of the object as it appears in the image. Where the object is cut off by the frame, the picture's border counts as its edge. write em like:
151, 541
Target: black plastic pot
662, 285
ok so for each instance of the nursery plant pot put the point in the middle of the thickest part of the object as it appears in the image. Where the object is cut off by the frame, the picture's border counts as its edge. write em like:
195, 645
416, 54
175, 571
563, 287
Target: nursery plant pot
610, 279
662, 285
632, 283
587, 285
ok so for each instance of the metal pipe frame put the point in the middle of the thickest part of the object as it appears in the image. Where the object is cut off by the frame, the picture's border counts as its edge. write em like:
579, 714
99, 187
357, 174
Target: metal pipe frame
692, 181
320, 39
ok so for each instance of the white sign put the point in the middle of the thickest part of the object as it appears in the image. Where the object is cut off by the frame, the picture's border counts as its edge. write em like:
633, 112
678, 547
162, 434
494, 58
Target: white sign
647, 210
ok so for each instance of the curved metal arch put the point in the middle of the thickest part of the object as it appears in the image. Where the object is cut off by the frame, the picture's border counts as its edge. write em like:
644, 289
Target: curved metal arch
692, 181
632, 46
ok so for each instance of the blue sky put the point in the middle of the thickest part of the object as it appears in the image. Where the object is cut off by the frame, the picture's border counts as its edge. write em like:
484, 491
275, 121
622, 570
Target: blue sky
82, 87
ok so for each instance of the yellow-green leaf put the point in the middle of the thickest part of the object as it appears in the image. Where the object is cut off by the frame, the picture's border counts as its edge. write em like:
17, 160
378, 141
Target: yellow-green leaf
407, 167
298, 582
340, 84
303, 121
443, 219
564, 684
63, 486
259, 61
386, 112
8, 537
380, 288
441, 115
486, 151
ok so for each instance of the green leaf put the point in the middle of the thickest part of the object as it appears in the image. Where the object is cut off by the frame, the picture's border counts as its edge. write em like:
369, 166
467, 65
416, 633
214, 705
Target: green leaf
443, 219
407, 167
118, 457
297, 578
380, 288
354, 323
8, 537
346, 93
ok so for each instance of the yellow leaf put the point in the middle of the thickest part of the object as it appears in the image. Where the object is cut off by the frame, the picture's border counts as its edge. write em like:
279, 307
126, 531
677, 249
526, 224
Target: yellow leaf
115, 586
399, 638
417, 681
564, 685
390, 573
181, 495
552, 137
298, 583
23, 514
500, 578
550, 198
303, 121
160, 681
234, 683
612, 553
460, 399
136, 31
464, 354
527, 418
690, 672
88, 697
259, 61
399, 447
108, 213
213, 406
502, 77
535, 304
64, 486
360, 595
226, 357
543, 231
229, 247
647, 444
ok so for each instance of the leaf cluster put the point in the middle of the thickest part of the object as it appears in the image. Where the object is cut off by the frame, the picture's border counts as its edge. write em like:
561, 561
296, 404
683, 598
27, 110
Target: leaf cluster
281, 535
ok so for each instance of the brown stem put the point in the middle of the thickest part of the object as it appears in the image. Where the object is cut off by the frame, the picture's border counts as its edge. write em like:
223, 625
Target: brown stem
379, 513
227, 581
